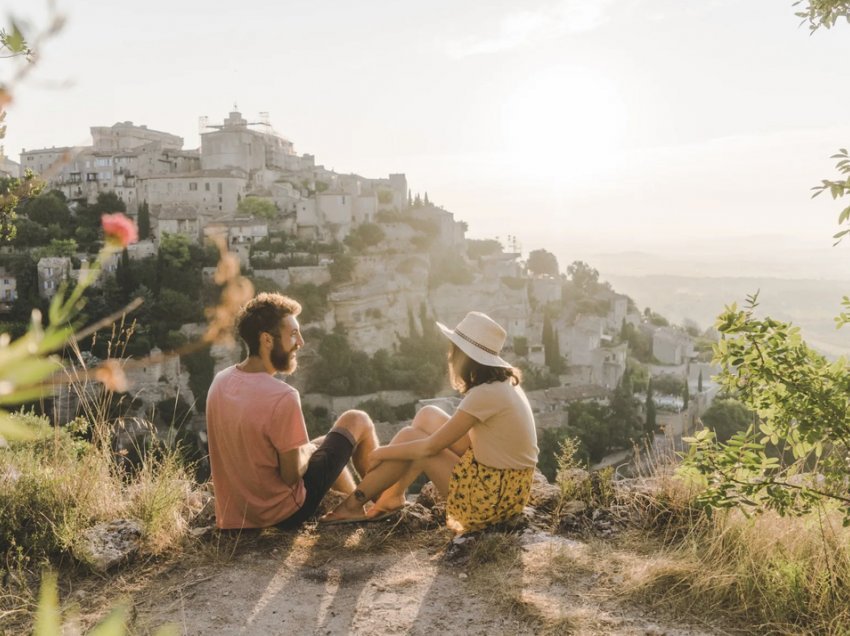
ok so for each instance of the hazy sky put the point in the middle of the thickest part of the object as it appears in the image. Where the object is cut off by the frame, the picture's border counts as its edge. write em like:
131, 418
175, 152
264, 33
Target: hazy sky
582, 126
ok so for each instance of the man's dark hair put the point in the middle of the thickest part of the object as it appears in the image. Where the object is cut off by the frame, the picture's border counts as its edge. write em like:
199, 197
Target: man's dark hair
263, 314
465, 373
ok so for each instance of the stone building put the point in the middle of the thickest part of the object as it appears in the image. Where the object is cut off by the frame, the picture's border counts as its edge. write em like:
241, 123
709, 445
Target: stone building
8, 287
119, 156
52, 272
178, 219
671, 346
215, 194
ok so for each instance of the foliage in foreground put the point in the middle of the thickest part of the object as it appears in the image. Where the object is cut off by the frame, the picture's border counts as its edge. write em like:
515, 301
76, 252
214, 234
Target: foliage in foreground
763, 573
54, 488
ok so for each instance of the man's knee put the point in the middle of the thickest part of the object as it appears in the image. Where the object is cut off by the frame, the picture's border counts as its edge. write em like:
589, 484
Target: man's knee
358, 423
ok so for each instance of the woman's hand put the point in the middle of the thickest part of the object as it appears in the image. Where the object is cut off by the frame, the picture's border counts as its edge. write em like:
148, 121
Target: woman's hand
376, 457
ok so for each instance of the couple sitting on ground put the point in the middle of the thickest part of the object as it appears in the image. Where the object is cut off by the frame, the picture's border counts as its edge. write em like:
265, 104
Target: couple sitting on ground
266, 472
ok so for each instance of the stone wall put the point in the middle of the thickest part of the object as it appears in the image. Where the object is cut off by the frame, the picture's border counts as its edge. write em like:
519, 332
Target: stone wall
315, 274
337, 404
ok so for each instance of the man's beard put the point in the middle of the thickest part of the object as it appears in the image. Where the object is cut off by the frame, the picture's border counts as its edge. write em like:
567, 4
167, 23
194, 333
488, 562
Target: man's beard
282, 360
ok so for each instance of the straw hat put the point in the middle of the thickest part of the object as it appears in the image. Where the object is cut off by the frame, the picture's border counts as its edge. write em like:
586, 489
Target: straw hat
479, 337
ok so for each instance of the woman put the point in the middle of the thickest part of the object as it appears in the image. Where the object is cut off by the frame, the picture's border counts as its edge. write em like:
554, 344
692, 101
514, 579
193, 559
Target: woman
481, 459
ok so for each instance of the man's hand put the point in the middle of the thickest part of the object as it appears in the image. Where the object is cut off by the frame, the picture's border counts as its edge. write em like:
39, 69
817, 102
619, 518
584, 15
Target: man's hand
293, 463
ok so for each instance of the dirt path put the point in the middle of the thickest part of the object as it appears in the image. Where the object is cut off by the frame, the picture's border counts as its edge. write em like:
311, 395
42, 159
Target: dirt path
358, 581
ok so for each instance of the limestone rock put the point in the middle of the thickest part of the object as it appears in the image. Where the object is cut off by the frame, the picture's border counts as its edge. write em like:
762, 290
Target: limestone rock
429, 496
106, 544
573, 507
544, 496
414, 518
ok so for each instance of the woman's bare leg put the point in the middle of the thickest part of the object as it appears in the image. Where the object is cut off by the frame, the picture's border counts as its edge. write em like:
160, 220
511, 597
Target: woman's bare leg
438, 468
427, 421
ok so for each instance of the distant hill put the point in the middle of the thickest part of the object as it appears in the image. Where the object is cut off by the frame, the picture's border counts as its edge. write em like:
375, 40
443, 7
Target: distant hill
809, 304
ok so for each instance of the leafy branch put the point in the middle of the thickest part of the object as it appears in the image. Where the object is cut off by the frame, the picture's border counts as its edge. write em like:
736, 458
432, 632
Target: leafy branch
838, 189
822, 13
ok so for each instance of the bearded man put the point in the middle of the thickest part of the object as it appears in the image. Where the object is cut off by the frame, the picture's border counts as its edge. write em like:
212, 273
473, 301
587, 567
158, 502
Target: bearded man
265, 471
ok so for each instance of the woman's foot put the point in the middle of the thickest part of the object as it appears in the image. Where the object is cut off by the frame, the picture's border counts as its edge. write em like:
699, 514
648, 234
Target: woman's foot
349, 510
387, 503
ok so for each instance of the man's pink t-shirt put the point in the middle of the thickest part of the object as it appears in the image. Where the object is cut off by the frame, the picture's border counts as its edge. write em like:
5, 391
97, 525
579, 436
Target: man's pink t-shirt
251, 417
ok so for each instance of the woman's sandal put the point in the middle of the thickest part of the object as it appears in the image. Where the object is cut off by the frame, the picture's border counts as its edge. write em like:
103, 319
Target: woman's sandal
384, 514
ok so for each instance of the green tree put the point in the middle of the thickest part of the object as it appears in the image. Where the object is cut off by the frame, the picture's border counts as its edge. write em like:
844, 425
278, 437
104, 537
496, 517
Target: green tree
669, 384
476, 248
48, 207
144, 221
313, 299
542, 262
823, 13
201, 367
548, 337
520, 346
699, 382
257, 207
650, 423
13, 190
727, 417
625, 425
124, 276
342, 268
57, 247
686, 395
365, 235
801, 406
583, 276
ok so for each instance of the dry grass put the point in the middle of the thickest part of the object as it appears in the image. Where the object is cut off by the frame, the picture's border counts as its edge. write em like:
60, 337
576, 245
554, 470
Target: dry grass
771, 574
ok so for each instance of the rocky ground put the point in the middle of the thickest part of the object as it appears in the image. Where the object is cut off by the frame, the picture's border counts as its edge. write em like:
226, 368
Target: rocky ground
564, 571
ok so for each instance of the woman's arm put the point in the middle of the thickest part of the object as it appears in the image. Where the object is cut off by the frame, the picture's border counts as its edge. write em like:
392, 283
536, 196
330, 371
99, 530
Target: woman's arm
455, 428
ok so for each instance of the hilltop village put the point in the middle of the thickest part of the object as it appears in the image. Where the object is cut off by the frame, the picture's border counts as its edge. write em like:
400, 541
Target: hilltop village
373, 263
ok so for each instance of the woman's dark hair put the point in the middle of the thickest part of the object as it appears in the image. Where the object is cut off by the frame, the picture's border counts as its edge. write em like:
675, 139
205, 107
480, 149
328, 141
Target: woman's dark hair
465, 373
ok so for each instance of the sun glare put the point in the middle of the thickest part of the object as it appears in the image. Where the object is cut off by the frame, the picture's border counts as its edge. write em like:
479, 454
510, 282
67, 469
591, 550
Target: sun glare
565, 117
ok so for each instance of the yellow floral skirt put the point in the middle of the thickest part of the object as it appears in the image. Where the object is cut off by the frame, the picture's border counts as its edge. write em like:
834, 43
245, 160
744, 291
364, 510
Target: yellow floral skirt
480, 496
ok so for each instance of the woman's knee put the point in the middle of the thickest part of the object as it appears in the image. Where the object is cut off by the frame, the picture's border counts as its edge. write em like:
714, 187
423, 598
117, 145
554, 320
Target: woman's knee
408, 434
356, 422
429, 418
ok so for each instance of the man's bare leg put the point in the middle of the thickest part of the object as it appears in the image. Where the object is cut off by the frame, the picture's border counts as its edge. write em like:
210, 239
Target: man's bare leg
357, 426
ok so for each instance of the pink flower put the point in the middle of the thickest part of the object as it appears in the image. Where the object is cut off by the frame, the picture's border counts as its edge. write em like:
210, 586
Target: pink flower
119, 229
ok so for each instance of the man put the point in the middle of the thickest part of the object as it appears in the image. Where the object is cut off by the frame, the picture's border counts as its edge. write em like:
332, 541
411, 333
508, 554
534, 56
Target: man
262, 468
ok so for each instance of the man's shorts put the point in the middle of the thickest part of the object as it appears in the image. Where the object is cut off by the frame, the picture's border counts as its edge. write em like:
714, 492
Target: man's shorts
323, 468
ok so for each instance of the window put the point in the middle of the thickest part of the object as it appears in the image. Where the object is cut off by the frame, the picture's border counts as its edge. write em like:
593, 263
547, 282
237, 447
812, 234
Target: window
218, 185
193, 187
207, 186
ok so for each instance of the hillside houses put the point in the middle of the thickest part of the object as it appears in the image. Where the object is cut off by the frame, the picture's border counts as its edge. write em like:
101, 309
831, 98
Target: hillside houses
310, 214
671, 346
237, 159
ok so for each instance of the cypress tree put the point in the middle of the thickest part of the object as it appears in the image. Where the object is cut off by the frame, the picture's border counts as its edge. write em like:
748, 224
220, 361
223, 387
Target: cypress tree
699, 382
548, 342
649, 426
686, 395
144, 221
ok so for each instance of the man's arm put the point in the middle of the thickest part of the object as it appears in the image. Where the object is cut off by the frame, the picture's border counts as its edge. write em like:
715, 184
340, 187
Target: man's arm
293, 463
